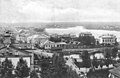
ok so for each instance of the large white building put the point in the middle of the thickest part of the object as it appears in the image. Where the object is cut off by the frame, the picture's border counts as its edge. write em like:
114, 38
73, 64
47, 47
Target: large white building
108, 39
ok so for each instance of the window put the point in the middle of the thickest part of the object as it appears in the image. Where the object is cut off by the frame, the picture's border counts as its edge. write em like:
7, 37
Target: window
103, 40
57, 45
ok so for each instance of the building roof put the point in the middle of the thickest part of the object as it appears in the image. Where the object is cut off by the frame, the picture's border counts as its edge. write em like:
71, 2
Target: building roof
108, 36
115, 71
6, 50
60, 43
75, 56
38, 36
48, 42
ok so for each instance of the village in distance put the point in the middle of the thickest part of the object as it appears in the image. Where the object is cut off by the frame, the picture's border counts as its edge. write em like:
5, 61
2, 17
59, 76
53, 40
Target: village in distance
30, 52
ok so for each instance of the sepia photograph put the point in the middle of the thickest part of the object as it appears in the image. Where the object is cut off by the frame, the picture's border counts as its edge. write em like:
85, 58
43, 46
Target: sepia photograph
59, 38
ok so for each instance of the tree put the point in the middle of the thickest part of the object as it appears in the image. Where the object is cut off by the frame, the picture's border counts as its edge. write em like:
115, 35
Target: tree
45, 65
119, 55
56, 68
22, 69
102, 62
66, 39
114, 52
55, 39
86, 59
87, 40
7, 68
34, 74
59, 64
95, 63
71, 74
107, 53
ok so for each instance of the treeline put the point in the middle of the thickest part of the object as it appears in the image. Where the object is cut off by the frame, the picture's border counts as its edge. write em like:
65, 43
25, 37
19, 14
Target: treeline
85, 40
110, 55
55, 67
20, 71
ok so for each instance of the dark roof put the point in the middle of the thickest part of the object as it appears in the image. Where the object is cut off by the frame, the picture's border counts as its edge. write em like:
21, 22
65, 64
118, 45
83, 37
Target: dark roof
14, 51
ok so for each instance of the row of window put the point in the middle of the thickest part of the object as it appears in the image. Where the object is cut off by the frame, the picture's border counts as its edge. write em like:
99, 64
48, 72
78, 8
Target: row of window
55, 45
108, 40
66, 46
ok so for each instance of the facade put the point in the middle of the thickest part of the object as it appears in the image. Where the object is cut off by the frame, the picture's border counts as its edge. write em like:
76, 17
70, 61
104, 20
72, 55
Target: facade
52, 45
97, 56
74, 46
108, 39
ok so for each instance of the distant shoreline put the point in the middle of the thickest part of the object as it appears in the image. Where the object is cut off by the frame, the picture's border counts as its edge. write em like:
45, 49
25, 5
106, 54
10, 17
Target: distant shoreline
88, 25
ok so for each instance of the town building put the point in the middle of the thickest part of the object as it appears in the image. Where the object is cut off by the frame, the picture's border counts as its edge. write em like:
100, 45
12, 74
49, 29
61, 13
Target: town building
13, 53
37, 38
23, 46
53, 45
98, 56
21, 36
108, 39
7, 37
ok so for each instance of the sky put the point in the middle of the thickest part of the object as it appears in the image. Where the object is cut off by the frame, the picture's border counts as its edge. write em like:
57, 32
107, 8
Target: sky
12, 11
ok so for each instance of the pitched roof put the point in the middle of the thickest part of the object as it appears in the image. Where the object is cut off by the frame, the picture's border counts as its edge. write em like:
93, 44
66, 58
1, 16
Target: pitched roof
13, 51
115, 71
38, 36
108, 36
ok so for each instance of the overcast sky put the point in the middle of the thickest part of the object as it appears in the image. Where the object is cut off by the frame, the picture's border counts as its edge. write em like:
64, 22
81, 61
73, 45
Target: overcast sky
59, 10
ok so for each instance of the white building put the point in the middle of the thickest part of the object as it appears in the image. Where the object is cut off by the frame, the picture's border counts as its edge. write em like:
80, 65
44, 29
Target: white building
50, 45
37, 38
97, 56
108, 39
